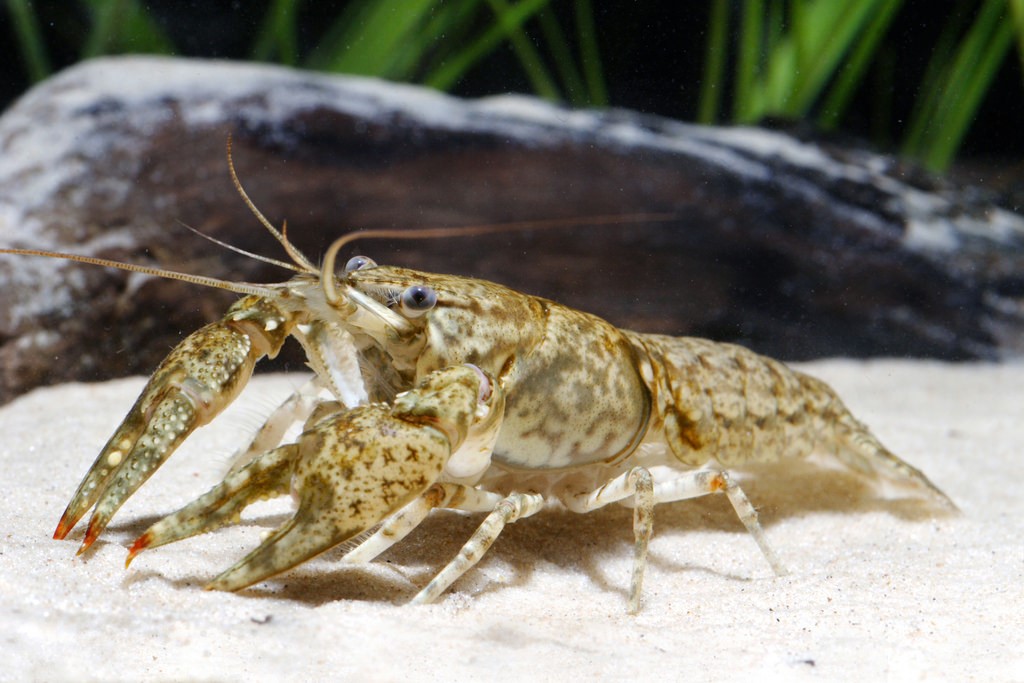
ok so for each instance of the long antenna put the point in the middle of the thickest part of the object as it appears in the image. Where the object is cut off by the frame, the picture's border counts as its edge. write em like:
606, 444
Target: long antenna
327, 268
237, 287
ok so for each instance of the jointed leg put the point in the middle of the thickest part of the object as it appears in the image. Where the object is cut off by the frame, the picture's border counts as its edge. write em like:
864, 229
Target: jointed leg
643, 525
296, 408
399, 525
748, 515
637, 483
513, 507
704, 482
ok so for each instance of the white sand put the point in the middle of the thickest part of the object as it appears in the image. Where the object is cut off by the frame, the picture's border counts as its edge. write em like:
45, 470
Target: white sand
879, 588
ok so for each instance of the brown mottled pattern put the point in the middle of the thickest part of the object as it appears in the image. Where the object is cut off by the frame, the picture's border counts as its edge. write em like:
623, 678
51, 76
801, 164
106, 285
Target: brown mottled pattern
352, 471
579, 391
558, 402
726, 402
577, 397
198, 379
560, 391
356, 467
574, 395
370, 462
186, 391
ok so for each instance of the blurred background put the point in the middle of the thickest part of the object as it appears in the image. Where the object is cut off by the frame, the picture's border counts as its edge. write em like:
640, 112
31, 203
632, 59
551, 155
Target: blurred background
797, 262
937, 81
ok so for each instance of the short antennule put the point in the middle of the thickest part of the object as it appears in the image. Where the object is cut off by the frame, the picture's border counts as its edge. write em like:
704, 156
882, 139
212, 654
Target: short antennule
296, 255
243, 252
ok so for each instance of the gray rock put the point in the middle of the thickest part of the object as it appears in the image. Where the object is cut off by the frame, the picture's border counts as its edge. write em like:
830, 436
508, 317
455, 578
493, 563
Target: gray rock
797, 249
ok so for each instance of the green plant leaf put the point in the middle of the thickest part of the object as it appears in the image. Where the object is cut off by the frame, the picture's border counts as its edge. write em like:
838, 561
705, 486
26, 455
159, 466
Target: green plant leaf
851, 71
532, 64
277, 35
712, 85
590, 54
827, 31
122, 26
1017, 14
558, 46
453, 68
30, 39
939, 129
748, 100
370, 37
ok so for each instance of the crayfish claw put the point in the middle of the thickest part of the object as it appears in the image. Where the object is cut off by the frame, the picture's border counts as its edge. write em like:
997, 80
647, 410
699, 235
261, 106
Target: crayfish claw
266, 476
355, 468
103, 470
198, 379
300, 538
127, 462
349, 470
141, 543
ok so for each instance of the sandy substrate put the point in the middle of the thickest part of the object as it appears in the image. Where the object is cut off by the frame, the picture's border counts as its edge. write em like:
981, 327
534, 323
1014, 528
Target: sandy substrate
880, 587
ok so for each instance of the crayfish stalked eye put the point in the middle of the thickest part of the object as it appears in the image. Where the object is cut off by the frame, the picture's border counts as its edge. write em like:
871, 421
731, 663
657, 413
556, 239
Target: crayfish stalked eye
358, 263
417, 300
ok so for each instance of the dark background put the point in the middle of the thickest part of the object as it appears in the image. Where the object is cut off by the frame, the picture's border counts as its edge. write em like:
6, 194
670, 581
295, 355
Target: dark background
652, 56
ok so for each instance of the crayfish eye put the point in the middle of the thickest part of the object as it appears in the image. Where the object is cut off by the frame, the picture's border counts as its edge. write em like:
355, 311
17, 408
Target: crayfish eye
417, 300
358, 263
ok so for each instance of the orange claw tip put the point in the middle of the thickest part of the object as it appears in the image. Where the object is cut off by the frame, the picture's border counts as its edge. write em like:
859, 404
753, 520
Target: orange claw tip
141, 543
90, 536
63, 527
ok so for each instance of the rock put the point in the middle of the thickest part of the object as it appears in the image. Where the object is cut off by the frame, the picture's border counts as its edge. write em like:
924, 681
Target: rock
797, 249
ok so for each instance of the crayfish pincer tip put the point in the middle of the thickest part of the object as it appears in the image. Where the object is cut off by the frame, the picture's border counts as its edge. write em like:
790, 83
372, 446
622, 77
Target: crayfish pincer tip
91, 534
63, 527
67, 522
140, 544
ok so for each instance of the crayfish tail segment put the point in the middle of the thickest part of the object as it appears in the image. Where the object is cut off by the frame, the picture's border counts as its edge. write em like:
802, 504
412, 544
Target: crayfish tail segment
859, 449
267, 476
197, 380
